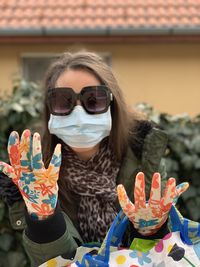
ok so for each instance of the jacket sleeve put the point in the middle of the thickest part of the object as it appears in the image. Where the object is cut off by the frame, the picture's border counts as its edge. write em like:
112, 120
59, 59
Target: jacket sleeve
49, 238
152, 157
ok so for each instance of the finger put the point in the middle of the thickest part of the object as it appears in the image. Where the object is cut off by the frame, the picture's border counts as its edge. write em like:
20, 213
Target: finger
127, 206
169, 194
180, 189
26, 150
139, 191
155, 194
54, 165
13, 150
52, 173
9, 171
37, 162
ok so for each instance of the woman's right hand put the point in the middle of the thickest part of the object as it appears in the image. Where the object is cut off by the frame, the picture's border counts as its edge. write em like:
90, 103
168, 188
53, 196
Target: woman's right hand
37, 185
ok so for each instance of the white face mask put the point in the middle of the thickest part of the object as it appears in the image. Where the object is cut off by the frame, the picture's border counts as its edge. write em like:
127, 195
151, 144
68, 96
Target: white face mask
80, 129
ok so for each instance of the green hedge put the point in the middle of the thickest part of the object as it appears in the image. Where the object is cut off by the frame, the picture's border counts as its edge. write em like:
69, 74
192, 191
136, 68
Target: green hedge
18, 111
23, 110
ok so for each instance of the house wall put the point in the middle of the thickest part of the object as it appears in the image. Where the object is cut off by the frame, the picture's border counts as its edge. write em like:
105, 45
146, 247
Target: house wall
166, 76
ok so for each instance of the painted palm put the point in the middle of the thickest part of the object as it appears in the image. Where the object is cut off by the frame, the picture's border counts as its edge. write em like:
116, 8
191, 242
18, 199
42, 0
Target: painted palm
37, 184
148, 217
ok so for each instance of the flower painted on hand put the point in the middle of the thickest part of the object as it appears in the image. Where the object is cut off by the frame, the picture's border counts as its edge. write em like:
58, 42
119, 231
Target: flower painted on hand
148, 216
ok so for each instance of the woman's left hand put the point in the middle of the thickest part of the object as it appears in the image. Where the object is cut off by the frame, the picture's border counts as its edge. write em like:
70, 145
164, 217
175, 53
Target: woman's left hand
148, 217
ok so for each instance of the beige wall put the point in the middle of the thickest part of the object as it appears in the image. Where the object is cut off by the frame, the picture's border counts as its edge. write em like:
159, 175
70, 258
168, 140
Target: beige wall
166, 76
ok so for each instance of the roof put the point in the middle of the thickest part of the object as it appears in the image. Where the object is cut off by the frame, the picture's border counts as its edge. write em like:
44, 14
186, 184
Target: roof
99, 17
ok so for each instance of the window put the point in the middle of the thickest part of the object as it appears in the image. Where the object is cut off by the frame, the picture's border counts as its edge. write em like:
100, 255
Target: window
34, 65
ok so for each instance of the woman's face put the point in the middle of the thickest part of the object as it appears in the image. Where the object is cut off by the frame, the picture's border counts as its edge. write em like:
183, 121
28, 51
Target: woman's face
77, 79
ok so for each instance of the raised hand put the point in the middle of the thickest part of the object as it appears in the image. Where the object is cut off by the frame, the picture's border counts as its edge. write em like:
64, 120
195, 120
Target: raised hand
37, 185
148, 217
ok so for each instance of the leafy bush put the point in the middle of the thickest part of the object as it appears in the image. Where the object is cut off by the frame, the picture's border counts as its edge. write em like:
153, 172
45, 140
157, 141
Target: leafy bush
182, 155
18, 111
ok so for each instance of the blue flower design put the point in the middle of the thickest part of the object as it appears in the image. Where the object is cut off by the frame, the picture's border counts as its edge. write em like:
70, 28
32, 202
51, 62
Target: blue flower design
51, 200
143, 223
26, 163
12, 140
27, 177
56, 160
26, 189
141, 256
32, 195
37, 161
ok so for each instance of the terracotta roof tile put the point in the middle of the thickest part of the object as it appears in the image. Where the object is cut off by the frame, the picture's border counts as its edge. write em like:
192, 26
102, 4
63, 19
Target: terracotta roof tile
87, 14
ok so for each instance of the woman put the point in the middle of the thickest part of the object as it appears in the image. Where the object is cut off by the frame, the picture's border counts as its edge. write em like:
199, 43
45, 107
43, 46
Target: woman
102, 145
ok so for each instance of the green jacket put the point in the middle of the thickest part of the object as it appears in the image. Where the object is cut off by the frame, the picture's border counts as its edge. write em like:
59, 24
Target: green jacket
57, 235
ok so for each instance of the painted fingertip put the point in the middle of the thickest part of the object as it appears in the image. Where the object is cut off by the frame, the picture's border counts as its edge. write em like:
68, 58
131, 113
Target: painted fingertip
14, 133
140, 176
58, 148
121, 190
139, 180
5, 168
156, 178
186, 185
36, 144
171, 180
36, 135
13, 138
182, 187
26, 133
157, 175
119, 187
156, 181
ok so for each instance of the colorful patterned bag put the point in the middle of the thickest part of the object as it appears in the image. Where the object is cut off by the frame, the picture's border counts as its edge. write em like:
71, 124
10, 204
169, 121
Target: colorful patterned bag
180, 247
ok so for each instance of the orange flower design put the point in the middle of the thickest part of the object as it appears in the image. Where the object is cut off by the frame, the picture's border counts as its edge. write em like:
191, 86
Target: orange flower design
24, 146
44, 189
14, 155
42, 210
47, 175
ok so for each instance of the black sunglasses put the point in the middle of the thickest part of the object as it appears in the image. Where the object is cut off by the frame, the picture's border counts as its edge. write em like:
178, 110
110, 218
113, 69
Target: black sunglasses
94, 99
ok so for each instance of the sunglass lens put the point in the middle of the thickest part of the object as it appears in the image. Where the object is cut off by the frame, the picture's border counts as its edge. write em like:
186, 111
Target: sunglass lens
95, 100
61, 102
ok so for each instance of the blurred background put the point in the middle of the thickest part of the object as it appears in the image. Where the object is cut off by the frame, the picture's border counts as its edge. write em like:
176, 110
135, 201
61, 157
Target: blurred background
153, 48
